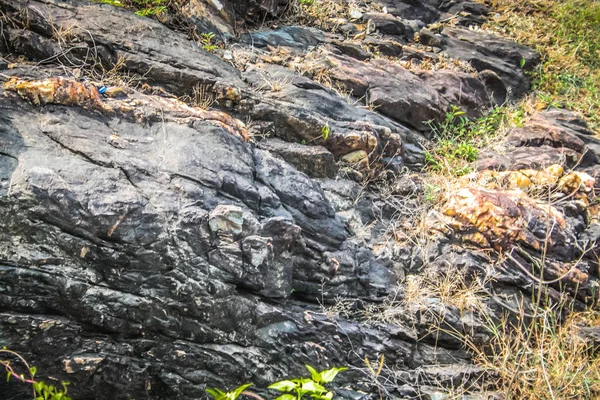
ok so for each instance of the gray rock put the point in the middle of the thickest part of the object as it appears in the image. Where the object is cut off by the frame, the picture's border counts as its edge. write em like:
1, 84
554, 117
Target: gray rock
487, 52
314, 161
386, 23
289, 36
147, 47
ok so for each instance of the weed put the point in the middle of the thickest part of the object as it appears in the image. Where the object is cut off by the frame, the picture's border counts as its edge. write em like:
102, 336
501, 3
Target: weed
144, 8
458, 140
311, 387
207, 41
202, 97
41, 390
218, 394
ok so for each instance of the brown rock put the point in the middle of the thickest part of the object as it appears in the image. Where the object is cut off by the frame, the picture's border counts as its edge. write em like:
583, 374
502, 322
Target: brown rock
539, 131
396, 92
505, 218
62, 91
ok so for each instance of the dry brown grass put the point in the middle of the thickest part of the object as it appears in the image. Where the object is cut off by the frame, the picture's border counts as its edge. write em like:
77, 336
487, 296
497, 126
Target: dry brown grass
202, 97
542, 358
323, 14
452, 287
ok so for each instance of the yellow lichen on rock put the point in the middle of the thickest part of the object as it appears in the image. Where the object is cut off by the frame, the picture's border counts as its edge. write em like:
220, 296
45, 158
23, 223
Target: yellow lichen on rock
524, 179
501, 216
70, 92
58, 91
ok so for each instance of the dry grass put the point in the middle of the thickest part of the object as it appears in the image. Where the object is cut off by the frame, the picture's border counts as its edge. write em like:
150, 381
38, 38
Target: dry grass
542, 358
322, 14
452, 287
202, 97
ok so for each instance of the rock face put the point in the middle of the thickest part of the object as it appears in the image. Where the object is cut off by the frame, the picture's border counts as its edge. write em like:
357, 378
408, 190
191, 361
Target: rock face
153, 246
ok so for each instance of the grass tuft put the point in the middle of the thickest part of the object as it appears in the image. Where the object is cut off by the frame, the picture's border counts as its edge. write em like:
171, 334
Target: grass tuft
542, 358
458, 140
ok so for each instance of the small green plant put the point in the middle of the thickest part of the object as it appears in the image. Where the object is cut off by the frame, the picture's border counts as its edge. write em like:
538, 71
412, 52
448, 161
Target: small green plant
431, 192
325, 130
207, 41
311, 387
144, 8
232, 395
41, 390
306, 2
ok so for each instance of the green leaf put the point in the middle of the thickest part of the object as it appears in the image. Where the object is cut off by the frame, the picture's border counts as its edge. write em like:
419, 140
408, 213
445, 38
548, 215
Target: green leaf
325, 131
240, 389
33, 371
313, 373
330, 374
284, 386
301, 380
313, 387
8, 374
286, 397
327, 396
522, 64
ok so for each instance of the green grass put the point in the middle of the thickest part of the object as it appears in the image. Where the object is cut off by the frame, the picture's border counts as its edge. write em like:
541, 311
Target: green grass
567, 35
144, 8
458, 140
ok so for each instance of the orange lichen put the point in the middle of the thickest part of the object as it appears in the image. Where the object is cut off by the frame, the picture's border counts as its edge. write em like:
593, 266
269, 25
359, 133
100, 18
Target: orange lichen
58, 91
502, 217
83, 94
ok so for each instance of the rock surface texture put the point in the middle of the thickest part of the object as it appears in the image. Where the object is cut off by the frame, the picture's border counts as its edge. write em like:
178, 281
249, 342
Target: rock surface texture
189, 227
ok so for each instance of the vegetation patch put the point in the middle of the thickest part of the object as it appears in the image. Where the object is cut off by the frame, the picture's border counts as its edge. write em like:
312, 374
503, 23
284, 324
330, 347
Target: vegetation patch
458, 140
144, 8
540, 357
567, 35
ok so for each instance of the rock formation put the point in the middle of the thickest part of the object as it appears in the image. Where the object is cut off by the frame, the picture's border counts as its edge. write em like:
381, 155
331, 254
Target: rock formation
153, 246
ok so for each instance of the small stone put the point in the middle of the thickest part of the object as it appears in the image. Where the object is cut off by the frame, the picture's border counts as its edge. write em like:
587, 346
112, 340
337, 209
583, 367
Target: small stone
226, 219
227, 55
355, 14
358, 158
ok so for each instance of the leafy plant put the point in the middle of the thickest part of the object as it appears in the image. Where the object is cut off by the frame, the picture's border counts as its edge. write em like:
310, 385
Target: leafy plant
41, 390
206, 40
232, 395
312, 387
144, 8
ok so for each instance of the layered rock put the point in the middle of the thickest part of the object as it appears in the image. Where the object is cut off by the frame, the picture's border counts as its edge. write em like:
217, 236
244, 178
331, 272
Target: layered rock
153, 246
